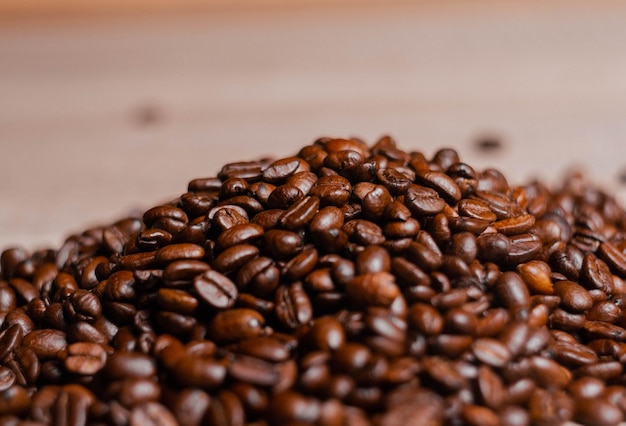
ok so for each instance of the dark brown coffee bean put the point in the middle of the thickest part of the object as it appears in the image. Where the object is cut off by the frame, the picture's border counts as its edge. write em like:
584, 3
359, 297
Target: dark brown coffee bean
7, 378
603, 330
332, 190
373, 259
423, 201
512, 292
574, 297
476, 209
280, 170
182, 251
46, 343
293, 306
548, 373
235, 257
293, 408
327, 334
236, 324
281, 244
499, 203
178, 301
226, 216
604, 311
199, 371
536, 275
375, 289
152, 414
443, 373
515, 225
238, 234
85, 358
596, 274
122, 365
596, 411
327, 218
574, 354
215, 289
264, 347
440, 182
298, 215
300, 265
396, 182
491, 352
426, 256
490, 387
476, 415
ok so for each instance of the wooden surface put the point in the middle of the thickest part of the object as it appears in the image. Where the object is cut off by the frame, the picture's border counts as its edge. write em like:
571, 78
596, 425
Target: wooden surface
100, 115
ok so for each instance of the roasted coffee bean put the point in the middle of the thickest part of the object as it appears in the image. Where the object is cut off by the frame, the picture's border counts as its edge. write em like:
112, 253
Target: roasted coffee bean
332, 190
536, 275
122, 365
299, 215
215, 289
281, 244
293, 306
596, 411
512, 292
423, 201
373, 289
85, 358
152, 414
573, 296
46, 343
491, 352
596, 274
236, 324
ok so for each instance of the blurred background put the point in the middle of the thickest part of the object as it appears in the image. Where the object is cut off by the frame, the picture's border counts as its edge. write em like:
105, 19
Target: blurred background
110, 106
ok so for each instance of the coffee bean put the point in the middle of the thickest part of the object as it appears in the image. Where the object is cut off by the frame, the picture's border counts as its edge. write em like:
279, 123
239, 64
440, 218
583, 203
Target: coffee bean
122, 365
85, 358
423, 201
491, 352
378, 289
298, 215
46, 343
152, 414
332, 190
236, 324
293, 306
596, 274
512, 292
597, 412
281, 244
574, 297
215, 289
536, 275
235, 257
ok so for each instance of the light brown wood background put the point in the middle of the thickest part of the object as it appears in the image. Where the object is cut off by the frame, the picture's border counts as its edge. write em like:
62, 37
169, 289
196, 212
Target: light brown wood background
118, 105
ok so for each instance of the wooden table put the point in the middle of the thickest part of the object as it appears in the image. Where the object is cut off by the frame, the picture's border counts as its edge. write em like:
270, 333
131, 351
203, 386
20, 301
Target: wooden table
104, 112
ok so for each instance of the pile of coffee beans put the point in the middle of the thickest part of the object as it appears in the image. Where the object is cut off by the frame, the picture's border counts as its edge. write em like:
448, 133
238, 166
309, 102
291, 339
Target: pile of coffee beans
347, 285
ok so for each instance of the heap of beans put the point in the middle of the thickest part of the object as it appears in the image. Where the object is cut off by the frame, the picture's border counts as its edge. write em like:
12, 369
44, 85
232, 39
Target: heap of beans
347, 285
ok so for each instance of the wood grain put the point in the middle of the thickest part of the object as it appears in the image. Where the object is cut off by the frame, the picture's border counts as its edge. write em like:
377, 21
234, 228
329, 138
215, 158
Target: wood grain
101, 115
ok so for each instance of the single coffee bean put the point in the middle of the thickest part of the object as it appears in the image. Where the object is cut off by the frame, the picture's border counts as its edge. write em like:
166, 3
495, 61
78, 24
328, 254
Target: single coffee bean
423, 201
491, 352
122, 365
46, 343
85, 358
573, 296
513, 292
152, 414
215, 289
236, 324
536, 275
293, 306
373, 289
